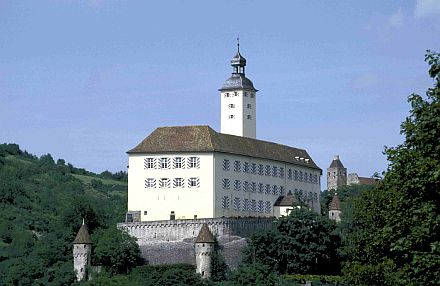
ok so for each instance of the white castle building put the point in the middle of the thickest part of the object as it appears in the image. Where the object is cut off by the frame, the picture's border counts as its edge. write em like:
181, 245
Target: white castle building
193, 172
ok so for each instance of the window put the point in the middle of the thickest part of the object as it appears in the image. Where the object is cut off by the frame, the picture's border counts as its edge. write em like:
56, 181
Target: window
281, 173
253, 187
281, 190
145, 212
252, 95
236, 93
178, 162
178, 183
227, 94
245, 94
254, 205
225, 202
194, 162
246, 167
149, 163
164, 163
231, 116
236, 204
246, 205
193, 182
249, 106
316, 179
260, 188
226, 184
226, 164
164, 183
289, 174
237, 185
274, 171
267, 170
260, 206
260, 169
306, 177
267, 189
246, 186
248, 116
296, 175
275, 190
237, 166
268, 207
310, 178
231, 105
300, 176
150, 183
254, 168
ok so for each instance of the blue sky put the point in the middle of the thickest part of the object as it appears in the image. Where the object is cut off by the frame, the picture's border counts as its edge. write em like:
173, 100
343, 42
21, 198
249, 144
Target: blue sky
88, 80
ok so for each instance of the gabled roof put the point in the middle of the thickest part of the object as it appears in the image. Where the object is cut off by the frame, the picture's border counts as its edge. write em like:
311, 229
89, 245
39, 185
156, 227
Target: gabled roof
286, 201
367, 181
335, 203
83, 236
205, 235
205, 139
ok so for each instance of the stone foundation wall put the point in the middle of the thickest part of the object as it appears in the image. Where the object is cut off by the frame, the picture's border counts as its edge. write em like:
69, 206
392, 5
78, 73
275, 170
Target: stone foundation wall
172, 241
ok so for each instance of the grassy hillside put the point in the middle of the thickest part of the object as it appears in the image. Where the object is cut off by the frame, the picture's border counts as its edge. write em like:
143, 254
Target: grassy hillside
42, 204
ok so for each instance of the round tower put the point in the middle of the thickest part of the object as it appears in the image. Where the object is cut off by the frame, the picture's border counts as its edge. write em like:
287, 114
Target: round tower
82, 250
334, 209
238, 101
204, 247
336, 174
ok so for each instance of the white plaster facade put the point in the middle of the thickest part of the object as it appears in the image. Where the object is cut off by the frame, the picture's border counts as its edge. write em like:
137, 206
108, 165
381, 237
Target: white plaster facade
81, 260
223, 191
203, 258
238, 113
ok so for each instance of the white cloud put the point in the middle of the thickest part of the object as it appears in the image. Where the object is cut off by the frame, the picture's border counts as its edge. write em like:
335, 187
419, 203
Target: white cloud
427, 8
396, 20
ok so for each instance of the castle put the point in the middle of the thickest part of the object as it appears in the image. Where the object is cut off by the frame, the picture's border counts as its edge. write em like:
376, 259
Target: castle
337, 176
187, 184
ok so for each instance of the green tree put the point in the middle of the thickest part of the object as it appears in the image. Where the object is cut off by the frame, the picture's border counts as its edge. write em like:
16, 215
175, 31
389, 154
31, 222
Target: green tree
255, 274
116, 250
396, 241
302, 243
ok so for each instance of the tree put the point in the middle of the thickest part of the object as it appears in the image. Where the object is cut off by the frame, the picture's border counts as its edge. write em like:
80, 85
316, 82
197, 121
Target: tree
302, 243
397, 238
116, 250
256, 274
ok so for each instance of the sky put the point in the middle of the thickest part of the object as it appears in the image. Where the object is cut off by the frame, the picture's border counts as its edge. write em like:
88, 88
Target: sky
88, 80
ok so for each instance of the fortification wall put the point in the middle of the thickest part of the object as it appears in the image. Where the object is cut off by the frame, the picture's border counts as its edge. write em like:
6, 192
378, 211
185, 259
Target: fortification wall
178, 230
172, 241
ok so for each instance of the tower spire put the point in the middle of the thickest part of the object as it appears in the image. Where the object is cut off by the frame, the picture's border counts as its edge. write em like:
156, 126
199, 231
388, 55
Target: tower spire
238, 43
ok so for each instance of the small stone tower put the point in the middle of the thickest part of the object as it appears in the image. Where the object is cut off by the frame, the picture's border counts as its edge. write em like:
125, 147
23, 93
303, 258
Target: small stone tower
82, 250
336, 174
204, 247
334, 209
238, 101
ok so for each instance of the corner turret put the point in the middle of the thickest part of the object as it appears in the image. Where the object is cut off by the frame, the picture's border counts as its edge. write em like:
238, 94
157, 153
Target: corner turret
82, 251
334, 209
204, 247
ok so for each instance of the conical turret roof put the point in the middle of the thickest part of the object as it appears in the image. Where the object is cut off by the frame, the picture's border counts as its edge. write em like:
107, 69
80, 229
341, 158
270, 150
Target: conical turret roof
335, 204
205, 235
83, 236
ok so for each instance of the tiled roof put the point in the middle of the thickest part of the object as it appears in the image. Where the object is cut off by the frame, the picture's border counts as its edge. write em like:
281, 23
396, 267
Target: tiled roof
83, 236
286, 201
205, 139
367, 181
335, 204
336, 163
205, 235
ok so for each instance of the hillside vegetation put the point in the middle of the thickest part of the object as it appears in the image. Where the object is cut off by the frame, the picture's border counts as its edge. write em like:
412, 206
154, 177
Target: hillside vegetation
42, 204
